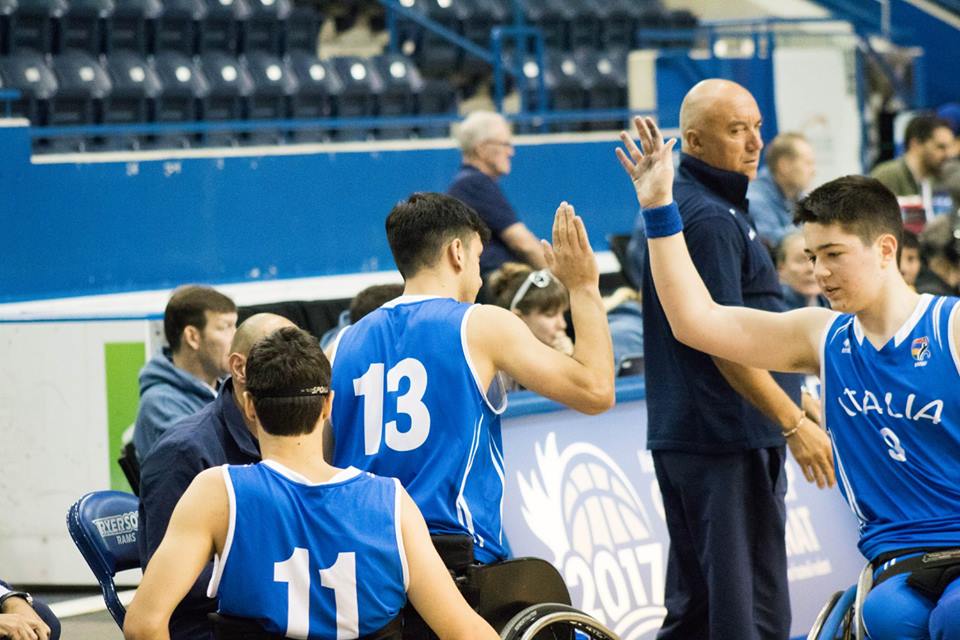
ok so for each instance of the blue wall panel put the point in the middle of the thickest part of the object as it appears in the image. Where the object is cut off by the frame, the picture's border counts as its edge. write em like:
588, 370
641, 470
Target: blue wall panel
75, 229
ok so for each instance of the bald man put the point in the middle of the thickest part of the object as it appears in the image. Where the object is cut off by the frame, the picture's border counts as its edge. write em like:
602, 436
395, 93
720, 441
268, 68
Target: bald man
716, 429
218, 434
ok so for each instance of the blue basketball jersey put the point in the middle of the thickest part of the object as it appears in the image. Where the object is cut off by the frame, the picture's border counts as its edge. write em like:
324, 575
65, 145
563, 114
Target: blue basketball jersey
409, 404
894, 417
310, 560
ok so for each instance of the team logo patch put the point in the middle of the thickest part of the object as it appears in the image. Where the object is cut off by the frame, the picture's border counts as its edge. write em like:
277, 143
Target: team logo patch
583, 506
846, 346
920, 350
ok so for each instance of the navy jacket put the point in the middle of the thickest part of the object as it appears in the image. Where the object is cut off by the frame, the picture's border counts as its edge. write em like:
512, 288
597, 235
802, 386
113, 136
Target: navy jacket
214, 436
690, 406
481, 192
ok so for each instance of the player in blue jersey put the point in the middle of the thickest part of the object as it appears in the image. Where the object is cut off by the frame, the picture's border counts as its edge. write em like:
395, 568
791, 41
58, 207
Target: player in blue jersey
889, 363
417, 391
304, 549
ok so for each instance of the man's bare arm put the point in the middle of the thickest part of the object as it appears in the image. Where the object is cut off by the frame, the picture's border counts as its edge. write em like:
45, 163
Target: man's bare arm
809, 444
199, 517
522, 242
772, 341
499, 340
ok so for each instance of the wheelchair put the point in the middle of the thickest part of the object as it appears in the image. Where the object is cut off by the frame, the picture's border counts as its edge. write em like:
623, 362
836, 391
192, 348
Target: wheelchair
841, 617
523, 598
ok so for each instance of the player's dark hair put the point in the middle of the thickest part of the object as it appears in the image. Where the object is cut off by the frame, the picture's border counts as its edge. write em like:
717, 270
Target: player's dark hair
419, 227
861, 205
371, 298
289, 378
187, 307
910, 240
921, 129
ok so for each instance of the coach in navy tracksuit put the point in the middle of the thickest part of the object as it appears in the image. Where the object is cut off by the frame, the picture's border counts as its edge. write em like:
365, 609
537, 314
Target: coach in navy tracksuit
719, 461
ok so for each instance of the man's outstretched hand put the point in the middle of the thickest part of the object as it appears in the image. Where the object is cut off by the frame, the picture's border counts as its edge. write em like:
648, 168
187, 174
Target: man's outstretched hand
651, 169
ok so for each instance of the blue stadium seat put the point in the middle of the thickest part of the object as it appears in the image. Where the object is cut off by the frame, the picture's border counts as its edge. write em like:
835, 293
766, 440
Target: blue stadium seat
7, 9
35, 25
178, 27
274, 84
400, 87
266, 27
361, 84
136, 92
553, 17
107, 554
133, 26
302, 30
230, 87
318, 95
605, 77
83, 91
435, 55
84, 25
587, 23
223, 25
27, 71
480, 19
438, 97
184, 88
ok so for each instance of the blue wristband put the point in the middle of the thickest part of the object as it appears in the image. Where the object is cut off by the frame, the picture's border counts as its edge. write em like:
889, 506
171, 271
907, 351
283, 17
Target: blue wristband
664, 221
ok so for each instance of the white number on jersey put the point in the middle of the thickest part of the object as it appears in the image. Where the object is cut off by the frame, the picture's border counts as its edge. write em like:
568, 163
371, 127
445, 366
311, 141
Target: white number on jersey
370, 386
341, 577
896, 451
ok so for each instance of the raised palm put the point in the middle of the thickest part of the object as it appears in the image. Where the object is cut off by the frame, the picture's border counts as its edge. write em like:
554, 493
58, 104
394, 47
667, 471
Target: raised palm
650, 169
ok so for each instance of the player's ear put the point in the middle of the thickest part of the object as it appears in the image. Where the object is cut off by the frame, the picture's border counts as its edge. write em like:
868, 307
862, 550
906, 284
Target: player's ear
237, 363
457, 253
249, 411
327, 407
887, 245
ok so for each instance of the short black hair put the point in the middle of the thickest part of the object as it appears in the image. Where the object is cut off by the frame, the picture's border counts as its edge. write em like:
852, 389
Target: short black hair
861, 205
910, 240
420, 226
187, 307
922, 127
371, 298
289, 378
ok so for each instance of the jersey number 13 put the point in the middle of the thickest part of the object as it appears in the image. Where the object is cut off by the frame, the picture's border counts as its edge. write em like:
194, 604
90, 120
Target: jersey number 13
370, 386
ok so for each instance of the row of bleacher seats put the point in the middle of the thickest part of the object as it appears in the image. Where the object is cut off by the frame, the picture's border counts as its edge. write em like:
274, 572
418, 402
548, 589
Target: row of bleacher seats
75, 88
150, 26
565, 24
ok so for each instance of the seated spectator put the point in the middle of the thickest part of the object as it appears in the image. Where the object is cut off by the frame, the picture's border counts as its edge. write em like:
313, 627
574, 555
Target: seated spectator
343, 548
484, 139
541, 301
23, 617
929, 142
940, 257
779, 185
363, 303
198, 323
910, 258
800, 288
951, 168
218, 434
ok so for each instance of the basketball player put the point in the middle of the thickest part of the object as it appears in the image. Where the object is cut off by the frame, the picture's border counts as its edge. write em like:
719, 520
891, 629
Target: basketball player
303, 548
417, 395
889, 363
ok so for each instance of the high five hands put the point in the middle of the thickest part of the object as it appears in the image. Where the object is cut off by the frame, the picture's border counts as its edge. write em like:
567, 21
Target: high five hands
650, 170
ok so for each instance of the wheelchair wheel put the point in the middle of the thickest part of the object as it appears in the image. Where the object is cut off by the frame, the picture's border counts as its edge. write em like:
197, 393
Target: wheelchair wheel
553, 621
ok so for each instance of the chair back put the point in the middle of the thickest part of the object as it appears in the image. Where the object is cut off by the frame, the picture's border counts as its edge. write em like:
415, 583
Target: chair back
130, 466
104, 526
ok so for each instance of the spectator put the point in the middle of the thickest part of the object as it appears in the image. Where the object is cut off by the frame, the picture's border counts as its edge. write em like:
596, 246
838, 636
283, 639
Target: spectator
216, 435
351, 532
929, 142
199, 324
541, 301
702, 429
910, 258
21, 616
485, 142
799, 284
951, 168
940, 256
779, 185
362, 304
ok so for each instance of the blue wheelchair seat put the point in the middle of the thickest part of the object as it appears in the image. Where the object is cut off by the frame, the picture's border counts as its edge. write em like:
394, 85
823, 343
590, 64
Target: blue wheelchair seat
104, 526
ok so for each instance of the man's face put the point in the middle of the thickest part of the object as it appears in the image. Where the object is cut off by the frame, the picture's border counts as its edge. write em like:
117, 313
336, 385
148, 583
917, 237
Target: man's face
215, 339
796, 271
910, 264
847, 271
729, 138
497, 151
797, 172
935, 151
